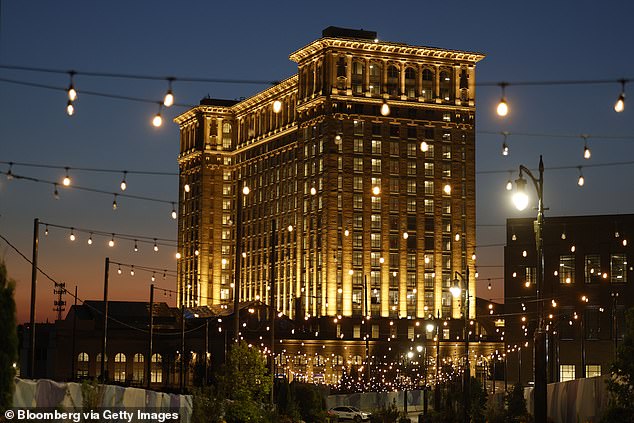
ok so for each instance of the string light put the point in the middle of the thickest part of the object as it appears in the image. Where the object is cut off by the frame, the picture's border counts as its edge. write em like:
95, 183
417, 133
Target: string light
619, 106
132, 270
385, 108
114, 202
581, 181
136, 246
503, 108
119, 270
505, 147
178, 256
70, 108
55, 192
72, 93
168, 100
174, 211
46, 230
155, 245
111, 242
66, 181
586, 150
153, 277
90, 239
277, 106
124, 184
72, 234
158, 120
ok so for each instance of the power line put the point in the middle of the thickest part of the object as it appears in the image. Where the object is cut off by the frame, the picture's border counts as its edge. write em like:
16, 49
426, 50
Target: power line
89, 169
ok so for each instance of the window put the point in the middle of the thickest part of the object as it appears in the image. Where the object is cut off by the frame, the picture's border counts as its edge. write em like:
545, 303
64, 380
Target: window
376, 165
157, 368
566, 372
411, 186
376, 147
357, 240
591, 323
429, 170
375, 331
375, 240
567, 269
593, 370
358, 127
411, 204
82, 365
429, 207
356, 331
376, 203
428, 84
446, 152
357, 183
392, 80
358, 145
429, 187
357, 201
446, 86
358, 164
618, 268
357, 258
376, 71
358, 76
226, 135
376, 221
119, 367
375, 259
410, 82
593, 268
530, 275
411, 168
138, 368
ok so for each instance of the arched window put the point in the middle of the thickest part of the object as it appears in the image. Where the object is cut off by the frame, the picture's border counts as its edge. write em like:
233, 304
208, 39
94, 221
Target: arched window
358, 76
446, 86
393, 80
119, 367
337, 360
376, 73
138, 368
341, 73
410, 82
156, 370
82, 365
357, 360
427, 90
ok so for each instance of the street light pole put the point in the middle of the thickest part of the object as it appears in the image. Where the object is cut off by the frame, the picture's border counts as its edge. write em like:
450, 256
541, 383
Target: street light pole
467, 371
521, 201
36, 242
242, 189
437, 387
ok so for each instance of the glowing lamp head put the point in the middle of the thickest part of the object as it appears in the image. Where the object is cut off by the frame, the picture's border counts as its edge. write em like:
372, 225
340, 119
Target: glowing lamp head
405, 235
246, 190
168, 100
503, 108
66, 181
586, 152
124, 185
505, 149
455, 291
313, 191
429, 327
447, 189
290, 228
520, 199
581, 181
424, 147
376, 190
178, 256
277, 106
157, 120
174, 214
111, 243
70, 108
72, 93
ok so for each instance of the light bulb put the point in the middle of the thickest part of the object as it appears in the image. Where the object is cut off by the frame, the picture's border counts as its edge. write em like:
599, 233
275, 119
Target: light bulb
168, 100
155, 246
132, 271
157, 120
66, 181
503, 108
424, 147
186, 187
277, 106
620, 103
385, 108
376, 190
313, 191
489, 287
505, 149
447, 189
124, 185
136, 247
178, 256
586, 152
111, 242
72, 235
72, 93
174, 215
246, 190
114, 202
346, 232
509, 185
196, 252
119, 270
581, 181
55, 192
90, 239
520, 199
153, 277
405, 235
70, 108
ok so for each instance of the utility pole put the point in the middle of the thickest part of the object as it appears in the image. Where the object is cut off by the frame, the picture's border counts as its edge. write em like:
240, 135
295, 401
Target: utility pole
36, 241
149, 355
104, 343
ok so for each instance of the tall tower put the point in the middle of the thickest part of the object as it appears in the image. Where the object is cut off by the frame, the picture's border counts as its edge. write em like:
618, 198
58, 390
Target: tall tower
371, 160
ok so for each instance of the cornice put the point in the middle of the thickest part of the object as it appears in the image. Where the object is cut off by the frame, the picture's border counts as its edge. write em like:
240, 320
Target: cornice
367, 46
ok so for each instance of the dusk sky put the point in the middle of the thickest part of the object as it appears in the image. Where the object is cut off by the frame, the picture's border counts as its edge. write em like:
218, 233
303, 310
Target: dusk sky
523, 41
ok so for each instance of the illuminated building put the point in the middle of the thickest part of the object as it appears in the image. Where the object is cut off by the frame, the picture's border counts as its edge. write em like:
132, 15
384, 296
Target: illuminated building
359, 114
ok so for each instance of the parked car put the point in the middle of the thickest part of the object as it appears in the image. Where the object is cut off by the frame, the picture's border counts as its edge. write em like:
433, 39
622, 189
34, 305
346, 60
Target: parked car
352, 413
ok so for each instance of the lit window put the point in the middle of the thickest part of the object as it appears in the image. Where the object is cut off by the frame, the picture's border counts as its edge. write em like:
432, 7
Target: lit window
566, 269
376, 165
82, 365
157, 368
138, 368
358, 145
593, 370
593, 268
618, 268
566, 372
119, 367
376, 147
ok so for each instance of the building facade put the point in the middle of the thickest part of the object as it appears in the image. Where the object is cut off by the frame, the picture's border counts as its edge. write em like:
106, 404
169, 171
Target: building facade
587, 288
367, 153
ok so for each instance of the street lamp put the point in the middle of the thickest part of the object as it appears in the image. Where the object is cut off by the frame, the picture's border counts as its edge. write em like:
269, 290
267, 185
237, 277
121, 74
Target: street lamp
520, 199
455, 291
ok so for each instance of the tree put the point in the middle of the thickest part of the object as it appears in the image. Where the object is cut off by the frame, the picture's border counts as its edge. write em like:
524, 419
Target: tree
245, 383
621, 384
9, 337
